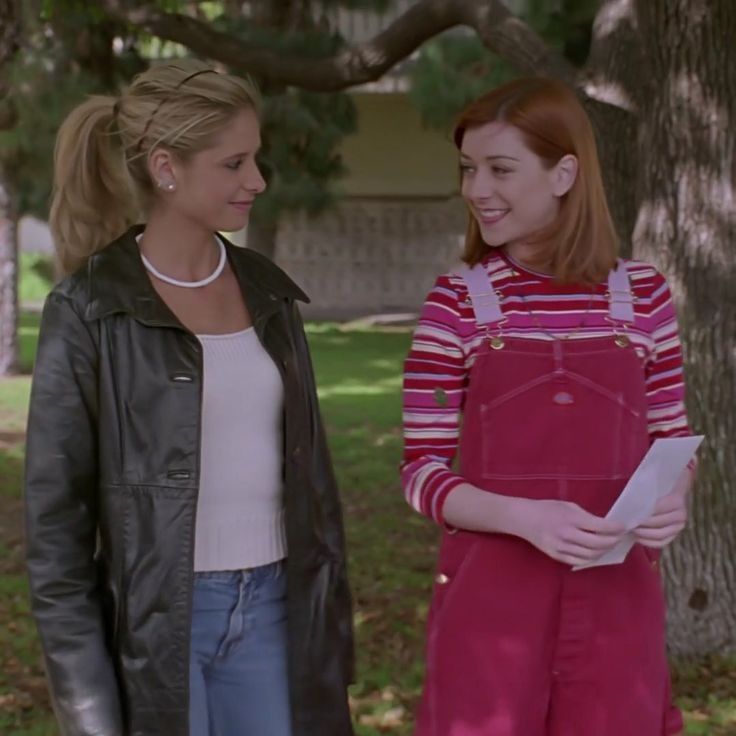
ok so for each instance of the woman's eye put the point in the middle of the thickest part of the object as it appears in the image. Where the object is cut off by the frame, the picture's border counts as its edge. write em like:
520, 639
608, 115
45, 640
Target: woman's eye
234, 165
500, 171
466, 169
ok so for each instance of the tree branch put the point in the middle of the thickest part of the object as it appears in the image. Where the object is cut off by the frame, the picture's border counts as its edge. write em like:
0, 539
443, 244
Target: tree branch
512, 39
613, 69
498, 28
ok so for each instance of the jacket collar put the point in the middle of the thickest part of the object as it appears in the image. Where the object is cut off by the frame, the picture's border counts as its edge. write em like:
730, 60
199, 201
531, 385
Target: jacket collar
117, 281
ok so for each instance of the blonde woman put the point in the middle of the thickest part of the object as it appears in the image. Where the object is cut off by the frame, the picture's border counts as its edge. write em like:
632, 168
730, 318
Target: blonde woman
185, 542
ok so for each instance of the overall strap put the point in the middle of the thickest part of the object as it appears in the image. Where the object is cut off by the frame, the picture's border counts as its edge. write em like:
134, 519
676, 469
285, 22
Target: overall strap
482, 295
621, 305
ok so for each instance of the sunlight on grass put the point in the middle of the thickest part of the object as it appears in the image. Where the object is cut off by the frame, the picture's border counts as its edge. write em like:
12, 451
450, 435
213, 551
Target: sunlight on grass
320, 328
354, 388
14, 393
35, 277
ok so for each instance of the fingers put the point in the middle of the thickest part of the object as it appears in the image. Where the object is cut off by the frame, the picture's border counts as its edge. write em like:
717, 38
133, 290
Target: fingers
598, 525
659, 536
664, 519
657, 544
597, 543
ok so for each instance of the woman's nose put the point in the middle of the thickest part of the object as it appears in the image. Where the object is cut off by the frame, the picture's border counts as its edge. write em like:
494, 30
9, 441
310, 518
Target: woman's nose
479, 186
253, 180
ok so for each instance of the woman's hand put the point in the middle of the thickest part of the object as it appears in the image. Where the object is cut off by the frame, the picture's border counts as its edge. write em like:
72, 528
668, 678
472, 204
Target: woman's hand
666, 522
568, 533
669, 516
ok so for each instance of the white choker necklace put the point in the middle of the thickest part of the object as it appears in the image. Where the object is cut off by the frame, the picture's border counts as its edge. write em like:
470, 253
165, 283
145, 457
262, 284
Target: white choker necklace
190, 284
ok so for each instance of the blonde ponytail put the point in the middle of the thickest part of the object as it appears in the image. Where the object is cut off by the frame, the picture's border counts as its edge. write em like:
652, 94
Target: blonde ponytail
102, 183
93, 200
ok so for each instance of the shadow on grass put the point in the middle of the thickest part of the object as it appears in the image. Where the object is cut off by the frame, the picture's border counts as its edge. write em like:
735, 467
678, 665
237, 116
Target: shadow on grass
24, 706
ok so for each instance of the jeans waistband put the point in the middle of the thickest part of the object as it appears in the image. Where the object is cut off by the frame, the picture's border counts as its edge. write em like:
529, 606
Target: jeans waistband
262, 572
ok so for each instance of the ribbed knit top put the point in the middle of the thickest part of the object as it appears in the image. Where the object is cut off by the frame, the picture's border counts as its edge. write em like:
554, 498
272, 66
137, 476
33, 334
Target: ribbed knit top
240, 517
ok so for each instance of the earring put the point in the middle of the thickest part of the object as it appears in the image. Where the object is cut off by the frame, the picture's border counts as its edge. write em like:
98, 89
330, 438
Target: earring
169, 186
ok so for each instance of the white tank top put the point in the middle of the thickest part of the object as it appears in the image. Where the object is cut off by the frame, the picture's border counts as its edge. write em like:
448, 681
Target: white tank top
240, 516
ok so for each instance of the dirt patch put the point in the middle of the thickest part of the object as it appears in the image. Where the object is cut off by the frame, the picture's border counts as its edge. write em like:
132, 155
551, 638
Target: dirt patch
23, 694
11, 439
11, 537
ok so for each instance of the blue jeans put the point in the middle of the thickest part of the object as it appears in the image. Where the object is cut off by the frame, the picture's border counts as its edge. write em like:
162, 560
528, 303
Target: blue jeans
238, 683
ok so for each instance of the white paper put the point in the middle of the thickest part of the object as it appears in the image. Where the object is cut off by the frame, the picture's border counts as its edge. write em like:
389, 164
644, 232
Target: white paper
656, 476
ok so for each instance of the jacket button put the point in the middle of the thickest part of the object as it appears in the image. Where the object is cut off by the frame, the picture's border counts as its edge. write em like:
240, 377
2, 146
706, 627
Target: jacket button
296, 452
442, 579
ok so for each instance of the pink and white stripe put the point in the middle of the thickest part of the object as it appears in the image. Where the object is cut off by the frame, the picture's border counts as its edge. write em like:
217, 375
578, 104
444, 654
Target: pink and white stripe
446, 342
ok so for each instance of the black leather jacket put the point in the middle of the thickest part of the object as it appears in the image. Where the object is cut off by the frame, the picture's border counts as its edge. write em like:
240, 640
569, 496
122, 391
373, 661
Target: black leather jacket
111, 485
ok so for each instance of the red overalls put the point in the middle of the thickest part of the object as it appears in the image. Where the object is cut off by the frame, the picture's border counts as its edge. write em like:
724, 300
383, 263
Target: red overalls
519, 644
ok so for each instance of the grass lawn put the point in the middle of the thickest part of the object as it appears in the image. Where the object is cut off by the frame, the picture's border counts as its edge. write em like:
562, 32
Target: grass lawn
36, 272
391, 549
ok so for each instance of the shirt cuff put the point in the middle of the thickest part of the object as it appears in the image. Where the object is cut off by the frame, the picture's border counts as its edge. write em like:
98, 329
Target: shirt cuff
441, 497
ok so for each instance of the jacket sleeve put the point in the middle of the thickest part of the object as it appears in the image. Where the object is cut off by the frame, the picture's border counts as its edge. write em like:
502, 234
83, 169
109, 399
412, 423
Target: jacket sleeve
61, 525
323, 478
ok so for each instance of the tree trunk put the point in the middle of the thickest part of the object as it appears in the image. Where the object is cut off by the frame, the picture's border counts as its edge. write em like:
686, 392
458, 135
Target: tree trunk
611, 79
687, 227
10, 32
261, 236
8, 281
615, 135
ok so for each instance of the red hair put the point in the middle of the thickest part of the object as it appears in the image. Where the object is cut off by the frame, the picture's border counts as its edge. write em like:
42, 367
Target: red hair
581, 244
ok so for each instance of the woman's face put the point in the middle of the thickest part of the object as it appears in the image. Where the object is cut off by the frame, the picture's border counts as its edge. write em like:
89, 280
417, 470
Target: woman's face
507, 187
216, 187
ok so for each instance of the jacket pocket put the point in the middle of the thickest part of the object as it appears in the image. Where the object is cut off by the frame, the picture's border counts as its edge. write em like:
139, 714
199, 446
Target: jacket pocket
118, 575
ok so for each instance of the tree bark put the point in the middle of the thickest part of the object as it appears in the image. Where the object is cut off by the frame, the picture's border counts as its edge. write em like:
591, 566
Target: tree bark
10, 31
687, 226
8, 280
615, 130
610, 79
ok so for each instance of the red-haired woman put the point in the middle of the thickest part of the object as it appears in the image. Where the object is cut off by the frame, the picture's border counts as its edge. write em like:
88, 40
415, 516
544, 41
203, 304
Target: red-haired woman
563, 363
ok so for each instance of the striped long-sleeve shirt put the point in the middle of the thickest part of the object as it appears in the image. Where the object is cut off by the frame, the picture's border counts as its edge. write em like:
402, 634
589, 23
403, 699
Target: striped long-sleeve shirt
447, 339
